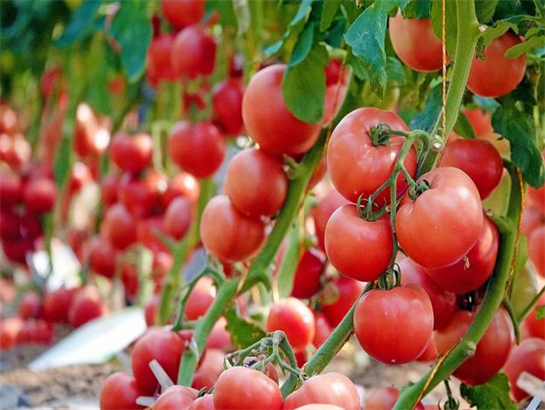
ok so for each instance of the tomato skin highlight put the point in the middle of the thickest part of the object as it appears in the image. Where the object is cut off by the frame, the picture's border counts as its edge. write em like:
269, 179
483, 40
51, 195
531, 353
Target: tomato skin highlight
492, 350
295, 319
119, 391
384, 322
256, 183
440, 237
358, 248
529, 356
272, 125
328, 388
356, 166
238, 387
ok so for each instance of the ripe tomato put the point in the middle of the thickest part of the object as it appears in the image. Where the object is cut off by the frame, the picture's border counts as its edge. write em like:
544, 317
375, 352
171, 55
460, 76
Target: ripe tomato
148, 230
193, 53
14, 151
200, 299
219, 337
229, 235
323, 211
536, 249
295, 319
270, 123
475, 268
176, 398
119, 226
102, 257
209, 370
30, 305
119, 391
91, 135
256, 183
40, 195
486, 77
430, 354
442, 237
131, 153
159, 61
9, 331
529, 357
329, 388
8, 119
538, 197
492, 349
385, 398
162, 345
340, 295
57, 304
351, 153
323, 329
183, 184
178, 217
109, 187
150, 312
86, 306
384, 322
11, 189
141, 195
335, 91
241, 388
197, 148
306, 282
480, 120
532, 327
358, 248
442, 302
532, 217
183, 13
130, 280
479, 159
319, 407
416, 44
205, 402
227, 103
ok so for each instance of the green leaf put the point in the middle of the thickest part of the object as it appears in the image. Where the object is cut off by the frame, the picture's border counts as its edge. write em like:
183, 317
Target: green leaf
524, 47
540, 312
498, 30
519, 128
81, 23
328, 13
395, 71
450, 29
432, 108
418, 9
225, 9
243, 332
366, 37
131, 28
492, 395
290, 260
485, 10
463, 127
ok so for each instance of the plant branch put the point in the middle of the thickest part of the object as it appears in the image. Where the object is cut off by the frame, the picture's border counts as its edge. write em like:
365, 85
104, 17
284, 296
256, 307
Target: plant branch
530, 305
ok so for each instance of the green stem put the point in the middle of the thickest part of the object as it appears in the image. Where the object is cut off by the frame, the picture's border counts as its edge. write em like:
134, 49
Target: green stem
495, 293
466, 40
513, 316
530, 305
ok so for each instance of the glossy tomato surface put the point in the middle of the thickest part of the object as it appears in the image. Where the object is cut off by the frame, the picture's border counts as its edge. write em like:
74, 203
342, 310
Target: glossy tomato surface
295, 319
323, 211
529, 357
119, 391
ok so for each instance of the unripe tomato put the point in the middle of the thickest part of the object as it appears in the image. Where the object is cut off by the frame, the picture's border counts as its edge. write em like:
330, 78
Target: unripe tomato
109, 188
524, 288
200, 299
227, 103
385, 399
344, 293
30, 306
159, 58
384, 321
487, 77
536, 249
241, 388
358, 248
329, 388
193, 53
141, 195
351, 153
295, 319
178, 217
256, 183
197, 148
176, 398
416, 44
229, 235
323, 211
442, 302
131, 153
492, 350
205, 402
306, 281
57, 304
440, 226
272, 125
119, 226
102, 257
162, 345
119, 391
183, 13
40, 195
86, 306
529, 357
183, 184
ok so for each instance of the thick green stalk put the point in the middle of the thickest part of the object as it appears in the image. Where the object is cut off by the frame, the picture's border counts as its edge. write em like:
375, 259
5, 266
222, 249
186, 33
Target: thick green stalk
495, 293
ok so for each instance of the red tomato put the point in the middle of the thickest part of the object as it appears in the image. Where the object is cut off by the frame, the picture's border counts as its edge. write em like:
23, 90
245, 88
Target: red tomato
219, 337
183, 13
536, 249
385, 399
335, 92
532, 217
119, 391
241, 388
200, 299
319, 407
130, 280
351, 154
57, 304
442, 237
150, 312
492, 350
345, 292
479, 159
205, 402
159, 61
323, 329
10, 225
538, 197
487, 77
148, 233
295, 319
193, 53
256, 183
358, 248
40, 195
183, 184
269, 122
141, 195
11, 189
332, 72
529, 357
30, 305
86, 306
306, 282
14, 151
229, 235
329, 388
442, 302
384, 322
176, 398
209, 370
119, 226
162, 345
227, 103
532, 327
8, 119
109, 189
480, 120
197, 148
91, 135
131, 153
416, 44
102, 257
323, 211
430, 354
9, 331
178, 217
475, 268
